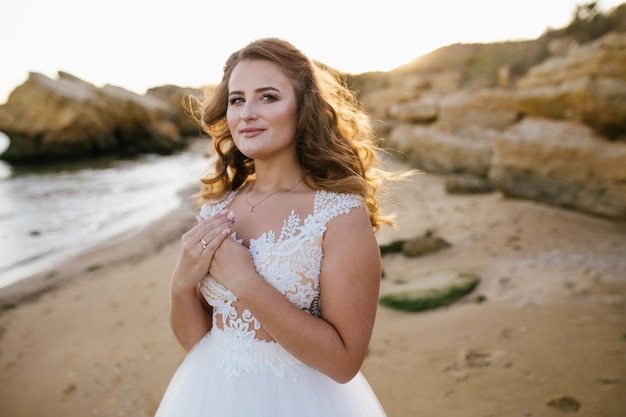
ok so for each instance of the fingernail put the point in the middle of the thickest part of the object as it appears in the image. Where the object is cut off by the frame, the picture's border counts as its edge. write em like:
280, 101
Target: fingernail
231, 217
226, 232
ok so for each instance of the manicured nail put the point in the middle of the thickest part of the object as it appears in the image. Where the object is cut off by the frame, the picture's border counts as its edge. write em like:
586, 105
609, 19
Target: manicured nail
226, 232
231, 217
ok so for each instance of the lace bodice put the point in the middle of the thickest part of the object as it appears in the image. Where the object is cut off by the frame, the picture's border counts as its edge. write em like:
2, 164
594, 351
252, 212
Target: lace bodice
290, 262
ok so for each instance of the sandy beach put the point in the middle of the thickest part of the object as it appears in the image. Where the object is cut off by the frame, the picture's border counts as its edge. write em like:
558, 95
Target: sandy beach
549, 339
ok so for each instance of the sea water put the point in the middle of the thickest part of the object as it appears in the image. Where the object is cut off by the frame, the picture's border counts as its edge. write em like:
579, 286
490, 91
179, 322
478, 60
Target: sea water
51, 212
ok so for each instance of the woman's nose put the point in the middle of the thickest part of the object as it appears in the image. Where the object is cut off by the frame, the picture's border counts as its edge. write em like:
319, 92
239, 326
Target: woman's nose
248, 111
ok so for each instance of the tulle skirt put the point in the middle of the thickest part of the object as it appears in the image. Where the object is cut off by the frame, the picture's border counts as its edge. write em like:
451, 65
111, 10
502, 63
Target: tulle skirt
226, 376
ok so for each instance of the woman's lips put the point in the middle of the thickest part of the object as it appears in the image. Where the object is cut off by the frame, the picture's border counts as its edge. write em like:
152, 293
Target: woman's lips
251, 132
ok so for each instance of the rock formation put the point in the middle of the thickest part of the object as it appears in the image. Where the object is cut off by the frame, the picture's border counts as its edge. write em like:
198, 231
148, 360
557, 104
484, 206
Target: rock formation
556, 135
48, 119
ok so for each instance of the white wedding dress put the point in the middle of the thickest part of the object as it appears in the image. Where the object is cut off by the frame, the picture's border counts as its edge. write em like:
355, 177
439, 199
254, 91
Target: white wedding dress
232, 372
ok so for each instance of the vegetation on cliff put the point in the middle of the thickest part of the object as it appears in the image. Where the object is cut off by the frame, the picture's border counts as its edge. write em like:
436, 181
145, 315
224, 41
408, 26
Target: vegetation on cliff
480, 63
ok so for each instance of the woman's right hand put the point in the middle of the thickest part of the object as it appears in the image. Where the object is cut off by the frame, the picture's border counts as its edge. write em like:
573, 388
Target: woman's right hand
198, 246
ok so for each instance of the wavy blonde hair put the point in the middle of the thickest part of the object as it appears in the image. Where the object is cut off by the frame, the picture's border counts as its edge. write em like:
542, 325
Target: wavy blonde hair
335, 143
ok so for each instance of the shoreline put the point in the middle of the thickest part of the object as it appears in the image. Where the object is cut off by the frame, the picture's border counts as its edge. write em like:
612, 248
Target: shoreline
549, 338
129, 247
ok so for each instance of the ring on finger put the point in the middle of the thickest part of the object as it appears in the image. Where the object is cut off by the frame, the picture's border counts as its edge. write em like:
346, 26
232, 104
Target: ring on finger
204, 243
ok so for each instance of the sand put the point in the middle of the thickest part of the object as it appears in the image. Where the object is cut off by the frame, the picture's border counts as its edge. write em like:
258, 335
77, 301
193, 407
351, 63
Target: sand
91, 337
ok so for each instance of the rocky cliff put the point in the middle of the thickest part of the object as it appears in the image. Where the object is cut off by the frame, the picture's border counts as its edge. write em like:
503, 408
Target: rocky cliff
47, 119
556, 134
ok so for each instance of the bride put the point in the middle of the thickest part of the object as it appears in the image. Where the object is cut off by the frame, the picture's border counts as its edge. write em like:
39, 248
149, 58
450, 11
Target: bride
275, 291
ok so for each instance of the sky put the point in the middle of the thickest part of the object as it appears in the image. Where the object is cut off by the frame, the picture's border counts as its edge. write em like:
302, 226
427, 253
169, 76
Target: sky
139, 44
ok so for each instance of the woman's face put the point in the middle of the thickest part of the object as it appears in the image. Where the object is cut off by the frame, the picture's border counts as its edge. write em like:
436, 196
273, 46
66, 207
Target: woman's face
262, 110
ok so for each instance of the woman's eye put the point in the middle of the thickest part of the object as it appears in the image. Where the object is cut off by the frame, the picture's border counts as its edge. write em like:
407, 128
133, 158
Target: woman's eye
268, 97
235, 100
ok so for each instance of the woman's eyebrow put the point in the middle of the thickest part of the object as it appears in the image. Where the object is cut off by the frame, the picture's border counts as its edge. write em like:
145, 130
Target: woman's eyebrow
258, 90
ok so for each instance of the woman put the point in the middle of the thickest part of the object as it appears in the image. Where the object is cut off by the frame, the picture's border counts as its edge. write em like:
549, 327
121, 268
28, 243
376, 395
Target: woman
275, 290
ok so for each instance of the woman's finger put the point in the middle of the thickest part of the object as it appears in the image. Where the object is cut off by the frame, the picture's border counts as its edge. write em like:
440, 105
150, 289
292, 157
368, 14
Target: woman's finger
213, 240
217, 222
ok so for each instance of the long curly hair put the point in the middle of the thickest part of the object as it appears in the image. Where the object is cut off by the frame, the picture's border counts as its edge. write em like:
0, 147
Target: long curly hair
335, 143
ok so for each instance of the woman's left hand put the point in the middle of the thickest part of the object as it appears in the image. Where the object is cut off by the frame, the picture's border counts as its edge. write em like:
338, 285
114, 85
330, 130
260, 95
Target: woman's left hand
232, 265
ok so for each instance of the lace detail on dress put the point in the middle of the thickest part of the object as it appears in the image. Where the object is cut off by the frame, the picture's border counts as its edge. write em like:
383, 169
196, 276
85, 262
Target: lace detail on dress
215, 206
291, 263
242, 354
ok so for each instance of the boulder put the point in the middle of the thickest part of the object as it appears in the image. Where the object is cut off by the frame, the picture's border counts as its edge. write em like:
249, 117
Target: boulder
437, 151
378, 101
467, 184
488, 109
424, 245
405, 95
48, 119
561, 163
422, 110
587, 84
180, 113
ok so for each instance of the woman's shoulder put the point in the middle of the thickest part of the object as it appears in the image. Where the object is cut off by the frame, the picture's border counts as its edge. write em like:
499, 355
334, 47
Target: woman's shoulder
218, 204
331, 204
